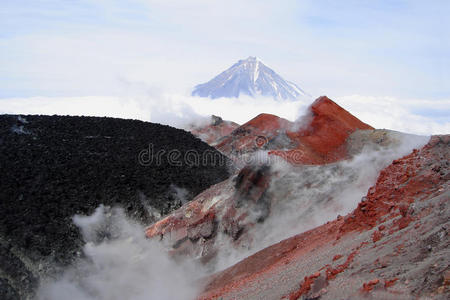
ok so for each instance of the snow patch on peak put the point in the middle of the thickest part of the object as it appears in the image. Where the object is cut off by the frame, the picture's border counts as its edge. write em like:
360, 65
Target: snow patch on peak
249, 77
256, 72
252, 58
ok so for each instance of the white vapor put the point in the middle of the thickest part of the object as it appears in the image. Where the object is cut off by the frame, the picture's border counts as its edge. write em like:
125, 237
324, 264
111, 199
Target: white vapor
120, 263
410, 116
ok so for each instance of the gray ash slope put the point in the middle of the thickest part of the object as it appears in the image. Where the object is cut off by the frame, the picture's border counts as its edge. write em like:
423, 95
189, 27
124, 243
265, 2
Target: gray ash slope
249, 77
53, 167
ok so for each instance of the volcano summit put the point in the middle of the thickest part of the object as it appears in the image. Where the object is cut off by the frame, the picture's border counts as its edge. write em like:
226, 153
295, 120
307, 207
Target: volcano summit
249, 77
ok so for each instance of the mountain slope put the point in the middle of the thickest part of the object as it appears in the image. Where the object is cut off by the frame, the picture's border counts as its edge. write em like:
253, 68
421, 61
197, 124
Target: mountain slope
249, 77
393, 246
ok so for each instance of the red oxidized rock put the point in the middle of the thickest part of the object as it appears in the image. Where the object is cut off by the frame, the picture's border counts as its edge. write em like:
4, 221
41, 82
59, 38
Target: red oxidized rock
376, 236
321, 140
328, 130
389, 283
336, 257
305, 286
391, 182
367, 287
248, 137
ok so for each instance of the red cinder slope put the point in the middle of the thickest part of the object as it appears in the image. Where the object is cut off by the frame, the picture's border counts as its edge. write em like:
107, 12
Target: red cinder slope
325, 135
329, 128
321, 140
394, 245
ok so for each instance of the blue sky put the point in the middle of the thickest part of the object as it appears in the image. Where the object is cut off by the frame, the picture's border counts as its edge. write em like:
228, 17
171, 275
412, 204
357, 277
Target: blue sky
98, 47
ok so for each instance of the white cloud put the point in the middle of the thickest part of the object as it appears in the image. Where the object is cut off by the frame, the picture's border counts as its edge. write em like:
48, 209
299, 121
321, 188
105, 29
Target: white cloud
84, 48
171, 109
416, 116
411, 116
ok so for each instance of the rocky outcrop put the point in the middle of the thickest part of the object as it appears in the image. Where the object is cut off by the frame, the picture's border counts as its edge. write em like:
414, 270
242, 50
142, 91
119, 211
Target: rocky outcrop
229, 208
212, 132
54, 167
253, 135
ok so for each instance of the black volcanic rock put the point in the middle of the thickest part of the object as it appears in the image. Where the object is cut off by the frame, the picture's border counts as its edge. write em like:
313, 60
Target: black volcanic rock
53, 167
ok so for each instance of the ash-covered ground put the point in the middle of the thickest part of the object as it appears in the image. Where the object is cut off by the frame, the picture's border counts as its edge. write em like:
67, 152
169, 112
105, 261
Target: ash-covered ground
54, 167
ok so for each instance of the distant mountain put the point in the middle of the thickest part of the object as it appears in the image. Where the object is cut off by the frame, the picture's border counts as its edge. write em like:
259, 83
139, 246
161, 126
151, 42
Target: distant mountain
249, 77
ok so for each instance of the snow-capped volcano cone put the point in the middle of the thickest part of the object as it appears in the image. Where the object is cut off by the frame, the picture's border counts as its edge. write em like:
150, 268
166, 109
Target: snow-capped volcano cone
249, 77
